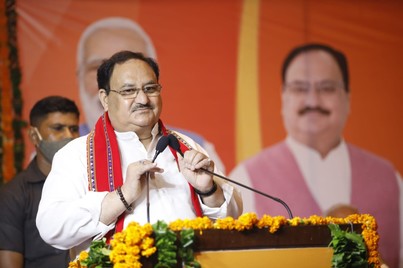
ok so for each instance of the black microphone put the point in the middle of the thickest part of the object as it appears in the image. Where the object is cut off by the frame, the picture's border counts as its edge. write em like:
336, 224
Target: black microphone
174, 143
161, 145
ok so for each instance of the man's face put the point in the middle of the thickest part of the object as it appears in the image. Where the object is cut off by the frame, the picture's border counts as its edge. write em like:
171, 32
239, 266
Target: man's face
101, 45
58, 126
138, 114
314, 102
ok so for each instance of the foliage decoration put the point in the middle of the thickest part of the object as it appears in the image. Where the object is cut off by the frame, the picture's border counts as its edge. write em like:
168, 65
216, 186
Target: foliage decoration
349, 248
166, 243
169, 248
98, 254
187, 238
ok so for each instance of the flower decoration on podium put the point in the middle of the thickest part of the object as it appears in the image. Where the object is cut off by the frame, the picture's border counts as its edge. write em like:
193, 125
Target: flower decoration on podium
175, 240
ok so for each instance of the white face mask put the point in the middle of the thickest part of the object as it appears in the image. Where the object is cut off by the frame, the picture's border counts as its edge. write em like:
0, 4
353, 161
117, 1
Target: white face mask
50, 148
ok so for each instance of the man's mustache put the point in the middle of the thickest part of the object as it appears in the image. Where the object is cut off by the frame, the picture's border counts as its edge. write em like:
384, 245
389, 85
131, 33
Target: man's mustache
314, 109
140, 106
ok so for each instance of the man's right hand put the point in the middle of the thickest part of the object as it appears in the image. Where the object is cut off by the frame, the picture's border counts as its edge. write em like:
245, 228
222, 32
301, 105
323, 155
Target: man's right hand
135, 178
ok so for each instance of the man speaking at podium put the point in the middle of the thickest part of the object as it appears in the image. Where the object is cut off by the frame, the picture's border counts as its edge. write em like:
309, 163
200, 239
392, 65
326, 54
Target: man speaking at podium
315, 170
98, 183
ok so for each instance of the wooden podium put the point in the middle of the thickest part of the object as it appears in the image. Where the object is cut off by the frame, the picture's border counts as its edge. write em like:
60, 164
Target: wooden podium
290, 246
299, 246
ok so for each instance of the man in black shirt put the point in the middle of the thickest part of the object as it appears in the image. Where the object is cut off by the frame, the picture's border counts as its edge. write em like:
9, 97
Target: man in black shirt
54, 121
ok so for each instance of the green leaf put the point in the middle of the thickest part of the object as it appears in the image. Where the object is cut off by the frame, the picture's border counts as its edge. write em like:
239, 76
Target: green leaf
349, 248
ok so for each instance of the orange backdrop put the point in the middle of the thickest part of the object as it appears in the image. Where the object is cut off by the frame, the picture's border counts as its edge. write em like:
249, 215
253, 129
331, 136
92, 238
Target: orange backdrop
198, 48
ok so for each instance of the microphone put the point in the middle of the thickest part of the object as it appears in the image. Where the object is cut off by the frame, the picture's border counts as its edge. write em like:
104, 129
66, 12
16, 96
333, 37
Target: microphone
174, 143
161, 145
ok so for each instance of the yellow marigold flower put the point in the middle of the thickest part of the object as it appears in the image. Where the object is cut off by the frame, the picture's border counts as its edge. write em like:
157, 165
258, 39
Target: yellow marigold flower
129, 259
83, 255
118, 238
246, 221
134, 250
147, 243
133, 265
135, 240
73, 264
117, 258
227, 223
316, 220
330, 220
265, 221
133, 237
130, 243
147, 230
120, 265
204, 223
276, 223
120, 249
148, 252
195, 224
294, 221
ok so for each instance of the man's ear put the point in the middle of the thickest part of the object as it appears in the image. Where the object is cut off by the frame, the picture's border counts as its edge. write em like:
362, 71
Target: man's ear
103, 98
33, 135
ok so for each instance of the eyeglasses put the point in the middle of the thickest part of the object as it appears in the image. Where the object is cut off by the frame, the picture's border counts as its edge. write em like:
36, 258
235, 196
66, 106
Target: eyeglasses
323, 88
151, 90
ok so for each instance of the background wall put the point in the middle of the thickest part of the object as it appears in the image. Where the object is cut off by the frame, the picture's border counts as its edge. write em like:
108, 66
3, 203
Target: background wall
200, 48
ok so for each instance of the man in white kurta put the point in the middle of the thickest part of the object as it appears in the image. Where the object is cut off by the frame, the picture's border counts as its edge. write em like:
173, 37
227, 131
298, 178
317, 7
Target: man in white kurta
70, 215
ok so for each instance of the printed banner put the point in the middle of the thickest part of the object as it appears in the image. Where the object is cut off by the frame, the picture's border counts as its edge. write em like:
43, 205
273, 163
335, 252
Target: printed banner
221, 63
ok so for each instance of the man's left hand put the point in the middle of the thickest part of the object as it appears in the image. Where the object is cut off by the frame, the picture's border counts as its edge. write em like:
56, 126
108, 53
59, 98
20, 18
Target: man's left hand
190, 166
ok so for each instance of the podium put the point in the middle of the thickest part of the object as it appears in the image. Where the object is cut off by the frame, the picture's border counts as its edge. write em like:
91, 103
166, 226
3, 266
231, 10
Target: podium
291, 246
244, 242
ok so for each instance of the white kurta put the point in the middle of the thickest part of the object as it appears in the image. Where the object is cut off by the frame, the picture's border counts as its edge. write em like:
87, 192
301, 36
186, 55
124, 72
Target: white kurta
69, 213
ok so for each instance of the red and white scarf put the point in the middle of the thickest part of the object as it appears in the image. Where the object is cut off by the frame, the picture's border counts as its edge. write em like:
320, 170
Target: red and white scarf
104, 167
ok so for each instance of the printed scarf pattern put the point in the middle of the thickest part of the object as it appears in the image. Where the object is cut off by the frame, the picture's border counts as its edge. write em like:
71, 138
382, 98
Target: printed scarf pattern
104, 166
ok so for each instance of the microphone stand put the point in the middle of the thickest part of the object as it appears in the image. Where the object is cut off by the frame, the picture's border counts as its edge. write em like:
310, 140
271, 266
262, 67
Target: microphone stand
148, 188
161, 145
148, 195
253, 190
174, 143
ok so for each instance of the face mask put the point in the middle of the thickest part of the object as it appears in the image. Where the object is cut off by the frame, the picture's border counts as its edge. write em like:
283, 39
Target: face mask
49, 148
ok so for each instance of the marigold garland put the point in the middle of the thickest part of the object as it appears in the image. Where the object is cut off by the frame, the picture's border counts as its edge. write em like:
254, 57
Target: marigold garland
131, 243
11, 140
135, 240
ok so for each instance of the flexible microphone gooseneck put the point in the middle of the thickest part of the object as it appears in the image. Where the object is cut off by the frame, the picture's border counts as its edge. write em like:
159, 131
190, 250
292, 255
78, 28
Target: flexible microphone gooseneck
174, 143
161, 145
